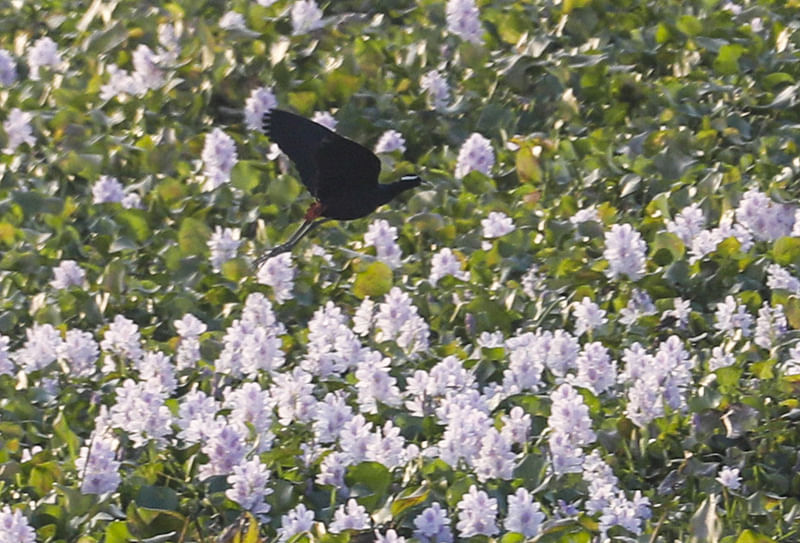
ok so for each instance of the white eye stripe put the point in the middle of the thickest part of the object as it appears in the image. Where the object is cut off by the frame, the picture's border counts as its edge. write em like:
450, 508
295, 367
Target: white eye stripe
409, 178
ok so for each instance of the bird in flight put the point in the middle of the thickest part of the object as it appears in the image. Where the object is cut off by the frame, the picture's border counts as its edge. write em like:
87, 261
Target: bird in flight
341, 174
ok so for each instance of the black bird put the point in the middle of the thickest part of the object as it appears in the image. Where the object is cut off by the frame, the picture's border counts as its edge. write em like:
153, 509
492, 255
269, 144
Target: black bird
341, 174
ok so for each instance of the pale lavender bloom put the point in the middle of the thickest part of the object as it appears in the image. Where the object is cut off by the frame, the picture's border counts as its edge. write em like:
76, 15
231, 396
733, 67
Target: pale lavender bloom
120, 83
463, 20
98, 466
625, 251
145, 68
196, 415
731, 317
570, 428
8, 68
79, 351
40, 349
445, 263
688, 223
433, 525
639, 305
383, 237
107, 189
720, 358
516, 425
375, 383
18, 129
437, 88
332, 414
261, 351
6, 366
333, 347
168, 39
398, 319
585, 215
596, 370
466, 427
524, 515
44, 52
588, 316
188, 353
477, 514
67, 274
251, 409
141, 413
123, 338
293, 394
756, 24
232, 20
332, 470
628, 514
729, 478
278, 273
796, 228
156, 367
350, 517
219, 157
475, 154
736, 9
225, 448
390, 537
364, 317
527, 354
766, 219
601, 480
727, 228
325, 119
265, 3
495, 460
306, 16
770, 325
355, 439
132, 201
189, 326
562, 352
389, 448
497, 224
249, 486
14, 526
296, 521
703, 243
390, 141
224, 244
779, 277
259, 102
680, 311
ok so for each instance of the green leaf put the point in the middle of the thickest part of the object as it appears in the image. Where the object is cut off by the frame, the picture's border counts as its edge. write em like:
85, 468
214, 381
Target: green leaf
246, 175
374, 281
117, 532
135, 222
193, 236
158, 498
786, 251
727, 61
749, 536
373, 476
705, 526
408, 498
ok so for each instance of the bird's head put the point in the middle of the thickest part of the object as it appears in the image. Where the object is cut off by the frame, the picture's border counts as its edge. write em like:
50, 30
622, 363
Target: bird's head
410, 181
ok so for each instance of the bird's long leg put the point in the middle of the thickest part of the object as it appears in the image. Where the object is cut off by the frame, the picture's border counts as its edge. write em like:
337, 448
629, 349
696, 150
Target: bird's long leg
307, 226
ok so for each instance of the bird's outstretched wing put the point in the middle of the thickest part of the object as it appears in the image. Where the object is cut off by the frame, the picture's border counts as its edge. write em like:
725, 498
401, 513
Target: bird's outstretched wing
301, 140
328, 163
346, 167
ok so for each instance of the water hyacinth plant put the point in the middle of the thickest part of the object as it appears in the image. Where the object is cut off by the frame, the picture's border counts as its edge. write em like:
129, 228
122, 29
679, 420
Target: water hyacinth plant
583, 328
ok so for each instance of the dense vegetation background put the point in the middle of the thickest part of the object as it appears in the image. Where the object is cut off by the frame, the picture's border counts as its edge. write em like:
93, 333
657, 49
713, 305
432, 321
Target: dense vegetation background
582, 327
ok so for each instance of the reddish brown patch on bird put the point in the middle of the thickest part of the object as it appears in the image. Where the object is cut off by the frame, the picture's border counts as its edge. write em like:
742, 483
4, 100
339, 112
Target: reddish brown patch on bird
314, 212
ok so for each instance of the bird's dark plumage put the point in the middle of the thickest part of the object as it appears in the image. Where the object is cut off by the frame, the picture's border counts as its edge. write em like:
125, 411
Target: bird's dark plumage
340, 173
